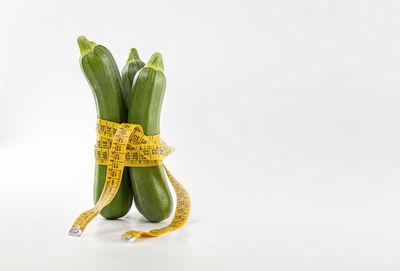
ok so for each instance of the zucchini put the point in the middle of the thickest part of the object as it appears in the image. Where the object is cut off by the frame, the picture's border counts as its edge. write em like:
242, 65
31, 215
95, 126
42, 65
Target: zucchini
150, 188
102, 74
132, 66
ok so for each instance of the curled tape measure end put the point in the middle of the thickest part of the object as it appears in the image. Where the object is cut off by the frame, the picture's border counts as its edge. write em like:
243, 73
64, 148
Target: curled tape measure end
129, 239
75, 231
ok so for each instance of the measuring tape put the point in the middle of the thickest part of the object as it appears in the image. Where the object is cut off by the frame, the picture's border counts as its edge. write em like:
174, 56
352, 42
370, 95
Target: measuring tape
120, 145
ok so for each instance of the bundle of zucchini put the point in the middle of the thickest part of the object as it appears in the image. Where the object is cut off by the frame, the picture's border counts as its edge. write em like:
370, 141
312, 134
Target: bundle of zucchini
135, 98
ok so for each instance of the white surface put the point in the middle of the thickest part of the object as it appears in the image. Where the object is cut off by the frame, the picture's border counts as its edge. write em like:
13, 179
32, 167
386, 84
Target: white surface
293, 107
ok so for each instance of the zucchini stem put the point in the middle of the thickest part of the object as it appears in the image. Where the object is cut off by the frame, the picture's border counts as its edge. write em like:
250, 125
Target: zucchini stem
133, 56
85, 45
156, 62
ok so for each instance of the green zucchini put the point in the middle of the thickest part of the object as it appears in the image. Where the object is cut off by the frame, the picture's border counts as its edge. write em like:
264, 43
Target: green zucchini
102, 74
150, 188
132, 66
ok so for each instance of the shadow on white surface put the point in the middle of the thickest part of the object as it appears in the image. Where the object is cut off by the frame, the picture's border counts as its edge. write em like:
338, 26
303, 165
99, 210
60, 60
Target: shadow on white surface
104, 230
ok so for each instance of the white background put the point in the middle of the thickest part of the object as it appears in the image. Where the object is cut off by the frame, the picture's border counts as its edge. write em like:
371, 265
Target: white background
285, 116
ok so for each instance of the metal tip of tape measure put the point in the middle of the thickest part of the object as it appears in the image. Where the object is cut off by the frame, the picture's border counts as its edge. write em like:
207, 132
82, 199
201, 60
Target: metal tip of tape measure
129, 239
75, 231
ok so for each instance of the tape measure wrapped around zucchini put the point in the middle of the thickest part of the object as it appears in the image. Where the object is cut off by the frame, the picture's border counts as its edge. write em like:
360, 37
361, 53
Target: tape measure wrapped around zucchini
151, 193
102, 74
129, 152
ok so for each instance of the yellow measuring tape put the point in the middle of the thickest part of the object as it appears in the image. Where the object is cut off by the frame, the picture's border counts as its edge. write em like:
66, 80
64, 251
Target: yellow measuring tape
120, 145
